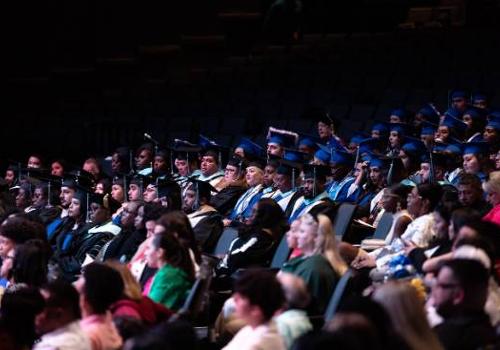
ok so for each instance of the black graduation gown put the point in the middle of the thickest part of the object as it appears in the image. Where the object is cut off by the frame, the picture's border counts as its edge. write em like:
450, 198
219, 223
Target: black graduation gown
226, 199
207, 230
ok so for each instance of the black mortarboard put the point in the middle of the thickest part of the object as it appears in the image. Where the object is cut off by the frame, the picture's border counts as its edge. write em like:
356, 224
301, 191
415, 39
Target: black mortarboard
319, 172
105, 201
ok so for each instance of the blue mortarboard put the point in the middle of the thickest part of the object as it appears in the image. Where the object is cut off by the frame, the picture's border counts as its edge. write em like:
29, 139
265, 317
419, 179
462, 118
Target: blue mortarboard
453, 112
283, 138
479, 96
358, 137
428, 129
323, 155
495, 114
494, 121
370, 145
381, 127
207, 144
333, 143
476, 148
475, 113
400, 128
454, 148
379, 162
439, 147
250, 147
308, 141
400, 112
342, 158
458, 94
429, 113
453, 123
413, 146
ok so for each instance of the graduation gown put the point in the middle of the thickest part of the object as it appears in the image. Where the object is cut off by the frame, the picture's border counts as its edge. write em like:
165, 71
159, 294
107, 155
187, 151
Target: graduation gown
226, 199
207, 226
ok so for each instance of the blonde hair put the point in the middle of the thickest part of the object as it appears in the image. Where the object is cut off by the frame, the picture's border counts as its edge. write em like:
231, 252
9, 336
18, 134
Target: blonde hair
493, 183
132, 288
406, 309
326, 242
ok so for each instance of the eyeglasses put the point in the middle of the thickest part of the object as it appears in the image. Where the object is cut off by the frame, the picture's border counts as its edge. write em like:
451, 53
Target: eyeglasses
446, 285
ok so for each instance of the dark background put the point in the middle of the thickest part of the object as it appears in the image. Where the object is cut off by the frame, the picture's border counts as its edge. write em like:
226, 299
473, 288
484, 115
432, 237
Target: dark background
83, 77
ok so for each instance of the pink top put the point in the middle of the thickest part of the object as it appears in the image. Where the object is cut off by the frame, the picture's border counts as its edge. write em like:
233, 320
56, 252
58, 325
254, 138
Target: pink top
102, 332
493, 215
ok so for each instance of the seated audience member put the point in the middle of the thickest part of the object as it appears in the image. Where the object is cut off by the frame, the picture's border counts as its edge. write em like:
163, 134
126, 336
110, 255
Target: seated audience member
17, 317
406, 309
320, 265
231, 187
132, 304
175, 274
257, 296
99, 286
30, 264
492, 190
470, 193
15, 230
459, 295
59, 322
256, 241
292, 236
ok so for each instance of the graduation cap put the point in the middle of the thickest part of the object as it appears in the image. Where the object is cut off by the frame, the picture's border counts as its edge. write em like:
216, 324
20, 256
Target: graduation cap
401, 128
308, 141
259, 163
105, 201
476, 148
316, 172
379, 161
494, 121
453, 123
382, 128
454, 113
494, 114
164, 187
202, 189
250, 148
294, 156
428, 128
475, 113
429, 113
210, 147
339, 157
323, 154
370, 145
454, 148
438, 159
84, 194
357, 137
413, 146
401, 113
284, 138
82, 178
458, 94
479, 97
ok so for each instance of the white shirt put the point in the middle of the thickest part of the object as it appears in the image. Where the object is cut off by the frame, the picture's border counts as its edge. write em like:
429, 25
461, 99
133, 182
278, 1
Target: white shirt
420, 231
263, 337
69, 337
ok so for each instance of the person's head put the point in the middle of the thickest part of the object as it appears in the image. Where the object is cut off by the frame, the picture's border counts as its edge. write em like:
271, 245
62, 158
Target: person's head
99, 286
406, 310
394, 198
129, 213
283, 181
461, 287
459, 218
209, 163
40, 196
471, 163
268, 214
423, 199
61, 307
442, 219
254, 175
120, 160
184, 164
152, 213
160, 162
166, 248
295, 290
13, 231
492, 188
34, 161
150, 193
314, 181
257, 296
275, 147
103, 186
131, 288
135, 191
233, 171
102, 207
269, 173
491, 134
30, 263
117, 190
292, 234
395, 139
91, 165
67, 192
78, 207
57, 167
459, 100
23, 197
477, 230
144, 156
469, 189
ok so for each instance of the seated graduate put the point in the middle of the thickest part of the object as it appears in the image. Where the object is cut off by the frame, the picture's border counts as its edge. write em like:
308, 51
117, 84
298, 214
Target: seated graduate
204, 219
185, 161
286, 178
244, 206
210, 162
257, 239
231, 187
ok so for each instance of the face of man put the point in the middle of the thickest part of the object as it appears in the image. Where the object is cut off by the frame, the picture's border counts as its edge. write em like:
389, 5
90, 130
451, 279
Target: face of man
324, 130
467, 195
189, 199
308, 187
182, 166
282, 182
159, 164
66, 196
208, 165
414, 202
490, 134
425, 170
446, 292
116, 163
92, 168
459, 103
275, 149
38, 199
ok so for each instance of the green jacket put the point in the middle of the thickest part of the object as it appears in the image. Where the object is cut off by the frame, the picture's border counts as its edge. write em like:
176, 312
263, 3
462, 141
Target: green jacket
170, 287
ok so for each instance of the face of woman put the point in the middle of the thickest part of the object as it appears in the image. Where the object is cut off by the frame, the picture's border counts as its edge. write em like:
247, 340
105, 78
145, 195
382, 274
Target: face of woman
74, 210
6, 245
7, 264
394, 139
57, 169
292, 234
117, 193
493, 198
138, 221
306, 237
230, 173
152, 255
253, 176
471, 164
442, 133
159, 164
490, 134
34, 162
22, 199
440, 225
